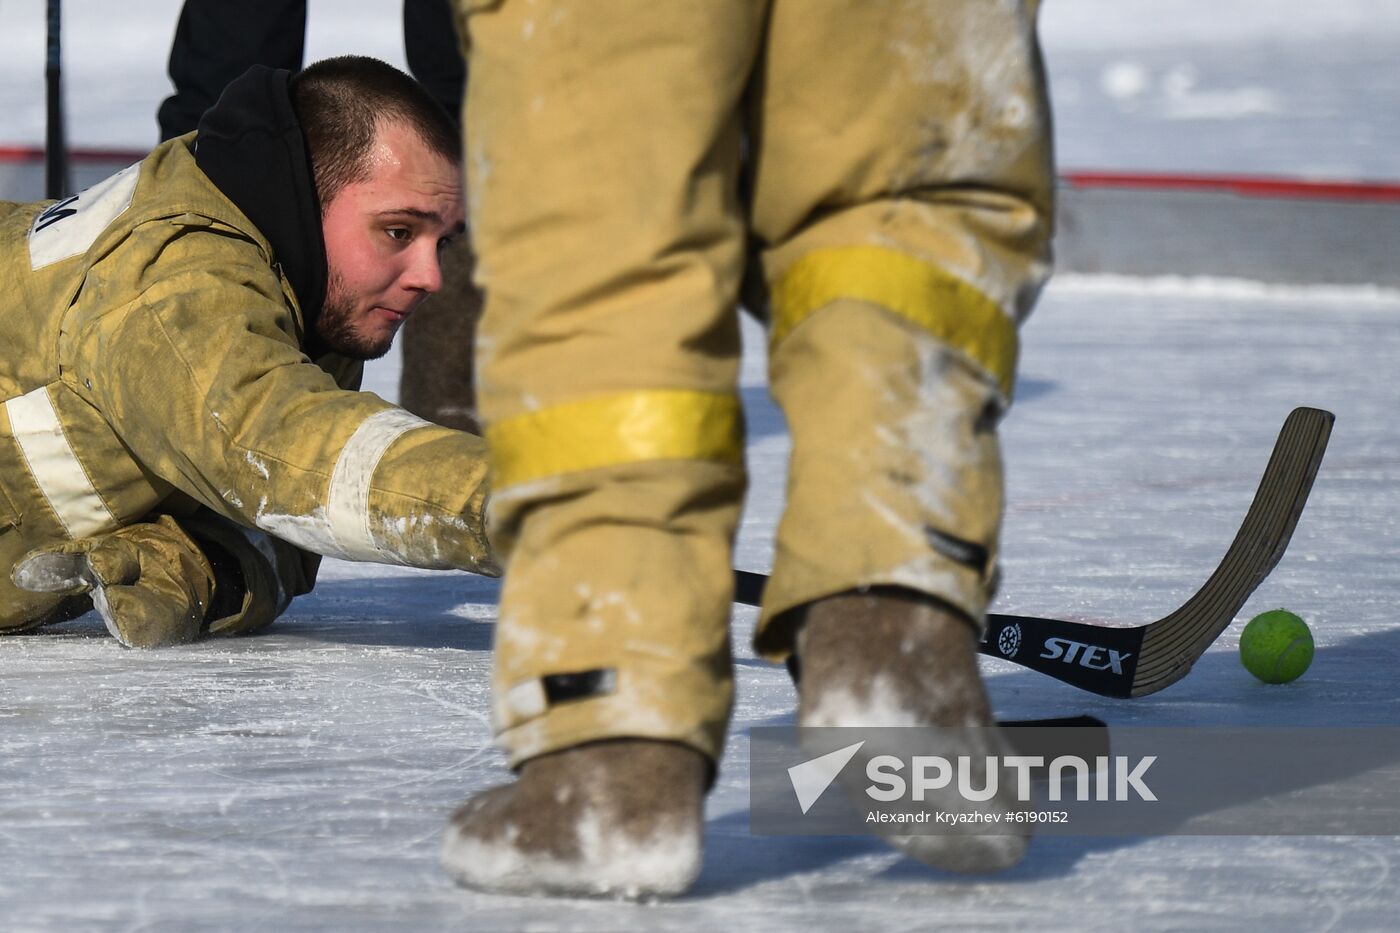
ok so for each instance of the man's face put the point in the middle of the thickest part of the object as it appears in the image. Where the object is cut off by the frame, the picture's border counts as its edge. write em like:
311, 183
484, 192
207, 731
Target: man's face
384, 236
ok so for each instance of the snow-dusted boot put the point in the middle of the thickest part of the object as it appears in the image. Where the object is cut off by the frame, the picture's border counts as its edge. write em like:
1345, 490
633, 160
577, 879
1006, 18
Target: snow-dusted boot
620, 818
893, 657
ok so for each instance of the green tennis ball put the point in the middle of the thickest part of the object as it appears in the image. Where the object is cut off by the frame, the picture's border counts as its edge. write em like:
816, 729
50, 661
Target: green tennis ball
1276, 646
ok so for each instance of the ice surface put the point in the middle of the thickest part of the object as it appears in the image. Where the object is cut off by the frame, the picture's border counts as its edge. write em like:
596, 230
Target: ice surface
300, 780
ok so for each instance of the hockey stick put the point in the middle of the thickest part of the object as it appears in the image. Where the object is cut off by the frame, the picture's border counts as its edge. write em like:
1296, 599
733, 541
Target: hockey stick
56, 181
1142, 659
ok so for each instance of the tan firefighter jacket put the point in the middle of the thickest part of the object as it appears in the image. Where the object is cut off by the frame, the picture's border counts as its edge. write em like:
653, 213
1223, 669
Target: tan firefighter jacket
151, 360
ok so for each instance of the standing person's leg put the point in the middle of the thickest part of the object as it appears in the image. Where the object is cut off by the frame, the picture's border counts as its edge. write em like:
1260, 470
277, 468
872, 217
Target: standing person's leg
216, 41
902, 204
603, 144
438, 342
433, 52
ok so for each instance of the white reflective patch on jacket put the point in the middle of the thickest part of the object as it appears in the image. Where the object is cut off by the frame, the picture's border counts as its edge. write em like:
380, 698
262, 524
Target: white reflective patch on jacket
70, 227
56, 469
347, 502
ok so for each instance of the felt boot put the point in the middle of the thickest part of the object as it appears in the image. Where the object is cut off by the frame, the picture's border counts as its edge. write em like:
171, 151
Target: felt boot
892, 657
621, 818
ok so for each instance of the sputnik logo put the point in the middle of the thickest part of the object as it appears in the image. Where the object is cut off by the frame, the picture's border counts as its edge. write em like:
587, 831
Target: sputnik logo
811, 778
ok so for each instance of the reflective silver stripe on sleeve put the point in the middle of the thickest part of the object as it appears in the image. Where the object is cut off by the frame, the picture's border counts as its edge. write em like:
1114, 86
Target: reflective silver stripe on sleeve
55, 467
347, 504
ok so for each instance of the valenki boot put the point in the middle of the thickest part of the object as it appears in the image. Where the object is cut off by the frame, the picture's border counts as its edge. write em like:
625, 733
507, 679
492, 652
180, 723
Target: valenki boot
894, 657
621, 818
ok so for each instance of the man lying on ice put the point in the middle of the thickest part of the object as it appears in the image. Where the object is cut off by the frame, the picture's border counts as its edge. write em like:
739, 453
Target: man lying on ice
180, 349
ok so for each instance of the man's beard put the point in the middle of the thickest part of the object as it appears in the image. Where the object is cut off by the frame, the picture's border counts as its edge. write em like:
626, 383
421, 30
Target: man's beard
335, 326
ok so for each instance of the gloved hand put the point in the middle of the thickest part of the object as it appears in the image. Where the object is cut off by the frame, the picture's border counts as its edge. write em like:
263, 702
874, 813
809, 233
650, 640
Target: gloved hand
150, 582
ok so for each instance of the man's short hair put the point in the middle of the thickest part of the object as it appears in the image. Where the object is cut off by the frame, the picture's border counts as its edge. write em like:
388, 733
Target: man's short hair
341, 102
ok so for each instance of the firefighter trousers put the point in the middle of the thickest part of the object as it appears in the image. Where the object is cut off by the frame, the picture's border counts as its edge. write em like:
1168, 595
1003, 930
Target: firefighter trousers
875, 178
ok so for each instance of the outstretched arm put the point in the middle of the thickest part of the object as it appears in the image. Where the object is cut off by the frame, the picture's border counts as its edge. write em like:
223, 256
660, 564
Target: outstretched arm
203, 378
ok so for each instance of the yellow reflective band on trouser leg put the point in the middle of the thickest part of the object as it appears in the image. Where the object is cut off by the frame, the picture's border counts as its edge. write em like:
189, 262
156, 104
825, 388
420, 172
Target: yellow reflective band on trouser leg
895, 473
615, 515
950, 309
616, 429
